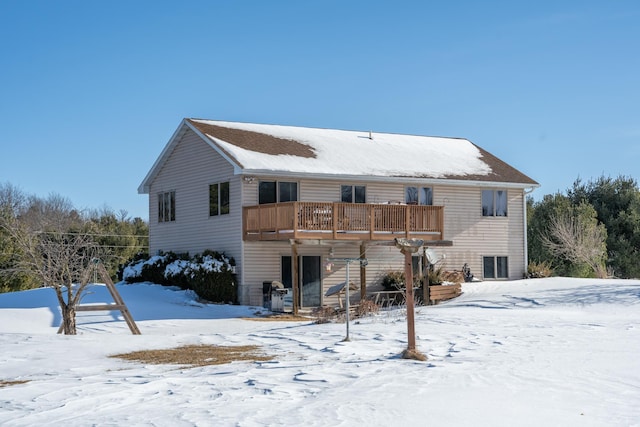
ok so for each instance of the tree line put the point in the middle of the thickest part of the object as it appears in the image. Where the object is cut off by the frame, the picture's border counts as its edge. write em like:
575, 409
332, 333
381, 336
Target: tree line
38, 232
590, 230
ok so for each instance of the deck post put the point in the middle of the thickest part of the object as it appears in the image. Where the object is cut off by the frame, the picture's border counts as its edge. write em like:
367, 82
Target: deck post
407, 248
407, 221
408, 279
363, 273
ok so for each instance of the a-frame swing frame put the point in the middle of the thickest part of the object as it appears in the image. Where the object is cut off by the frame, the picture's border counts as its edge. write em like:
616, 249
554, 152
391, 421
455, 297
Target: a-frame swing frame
119, 302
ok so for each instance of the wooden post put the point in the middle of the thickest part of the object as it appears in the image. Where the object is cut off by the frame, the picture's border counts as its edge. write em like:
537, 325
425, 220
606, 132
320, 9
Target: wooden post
408, 274
407, 220
295, 282
363, 273
426, 269
408, 247
118, 299
372, 220
119, 302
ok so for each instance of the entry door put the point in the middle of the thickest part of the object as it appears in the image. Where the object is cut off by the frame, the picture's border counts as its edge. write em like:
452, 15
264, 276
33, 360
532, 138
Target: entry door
310, 270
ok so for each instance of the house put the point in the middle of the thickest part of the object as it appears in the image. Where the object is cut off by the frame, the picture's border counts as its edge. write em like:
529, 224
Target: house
293, 202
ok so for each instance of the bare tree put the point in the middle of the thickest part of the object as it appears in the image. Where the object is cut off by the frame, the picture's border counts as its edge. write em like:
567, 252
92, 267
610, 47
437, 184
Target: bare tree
578, 238
48, 250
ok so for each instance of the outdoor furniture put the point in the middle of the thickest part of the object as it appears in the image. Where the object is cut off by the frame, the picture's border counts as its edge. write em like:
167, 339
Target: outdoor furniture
340, 291
386, 298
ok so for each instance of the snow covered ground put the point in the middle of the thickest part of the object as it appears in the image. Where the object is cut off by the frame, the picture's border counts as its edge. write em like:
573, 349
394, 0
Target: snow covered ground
541, 352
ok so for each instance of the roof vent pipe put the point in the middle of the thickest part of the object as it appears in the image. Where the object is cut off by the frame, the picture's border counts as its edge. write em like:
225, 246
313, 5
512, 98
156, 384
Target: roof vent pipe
370, 135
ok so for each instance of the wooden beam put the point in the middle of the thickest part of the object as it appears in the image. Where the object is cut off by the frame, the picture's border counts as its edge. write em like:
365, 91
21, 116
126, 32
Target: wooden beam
119, 302
363, 273
408, 274
118, 299
99, 307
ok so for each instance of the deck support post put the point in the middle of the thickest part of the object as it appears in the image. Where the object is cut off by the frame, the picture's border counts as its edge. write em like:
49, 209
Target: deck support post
408, 278
407, 248
363, 273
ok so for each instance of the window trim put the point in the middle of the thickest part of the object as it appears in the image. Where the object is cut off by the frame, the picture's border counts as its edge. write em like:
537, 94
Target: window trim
496, 270
277, 189
163, 210
221, 208
494, 201
354, 191
419, 195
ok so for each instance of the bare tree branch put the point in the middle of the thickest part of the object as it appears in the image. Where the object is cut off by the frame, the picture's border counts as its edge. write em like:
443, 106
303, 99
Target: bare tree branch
574, 239
58, 258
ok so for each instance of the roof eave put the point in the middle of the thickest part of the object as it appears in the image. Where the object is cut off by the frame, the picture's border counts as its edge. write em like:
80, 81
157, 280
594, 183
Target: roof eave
145, 185
372, 178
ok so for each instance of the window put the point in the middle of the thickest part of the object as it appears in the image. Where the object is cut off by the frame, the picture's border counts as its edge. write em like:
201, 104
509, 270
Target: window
273, 191
288, 191
418, 196
495, 267
494, 202
353, 193
219, 199
167, 206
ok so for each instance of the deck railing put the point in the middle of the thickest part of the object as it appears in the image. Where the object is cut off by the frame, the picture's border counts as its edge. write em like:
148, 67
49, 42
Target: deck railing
342, 221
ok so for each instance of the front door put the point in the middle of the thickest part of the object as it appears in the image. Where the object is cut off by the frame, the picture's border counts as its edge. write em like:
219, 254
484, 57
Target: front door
310, 269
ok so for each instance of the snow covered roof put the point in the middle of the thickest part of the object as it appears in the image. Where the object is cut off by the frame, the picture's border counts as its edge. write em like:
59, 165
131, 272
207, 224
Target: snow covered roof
288, 150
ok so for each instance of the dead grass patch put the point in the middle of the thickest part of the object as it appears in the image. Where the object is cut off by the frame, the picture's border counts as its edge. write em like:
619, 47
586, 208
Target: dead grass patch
413, 354
279, 318
197, 355
6, 383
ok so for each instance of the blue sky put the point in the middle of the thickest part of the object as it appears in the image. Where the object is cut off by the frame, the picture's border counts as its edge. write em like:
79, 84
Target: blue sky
90, 92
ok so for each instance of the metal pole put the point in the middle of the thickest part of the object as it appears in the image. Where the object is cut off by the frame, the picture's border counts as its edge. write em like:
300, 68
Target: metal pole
363, 262
347, 301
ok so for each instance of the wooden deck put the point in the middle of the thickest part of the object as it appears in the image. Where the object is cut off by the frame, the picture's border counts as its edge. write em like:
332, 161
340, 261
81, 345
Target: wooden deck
342, 221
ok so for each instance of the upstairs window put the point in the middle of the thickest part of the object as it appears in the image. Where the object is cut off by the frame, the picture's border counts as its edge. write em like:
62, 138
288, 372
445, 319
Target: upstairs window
494, 202
219, 199
353, 193
167, 206
287, 191
277, 191
418, 196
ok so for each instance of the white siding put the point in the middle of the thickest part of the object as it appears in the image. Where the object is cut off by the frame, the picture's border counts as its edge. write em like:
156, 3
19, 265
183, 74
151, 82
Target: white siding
194, 165
263, 263
475, 236
189, 171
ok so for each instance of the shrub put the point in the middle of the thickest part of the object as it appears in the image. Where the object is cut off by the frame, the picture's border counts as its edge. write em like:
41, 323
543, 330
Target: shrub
367, 307
435, 276
324, 314
393, 280
539, 269
210, 274
212, 277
